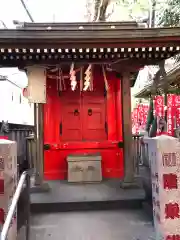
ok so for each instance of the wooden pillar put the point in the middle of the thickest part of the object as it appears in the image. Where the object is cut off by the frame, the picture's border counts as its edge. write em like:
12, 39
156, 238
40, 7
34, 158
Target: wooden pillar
39, 139
39, 143
37, 94
36, 165
127, 132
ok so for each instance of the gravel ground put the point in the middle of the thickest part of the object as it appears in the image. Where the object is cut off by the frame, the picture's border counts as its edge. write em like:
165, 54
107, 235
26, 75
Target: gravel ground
97, 225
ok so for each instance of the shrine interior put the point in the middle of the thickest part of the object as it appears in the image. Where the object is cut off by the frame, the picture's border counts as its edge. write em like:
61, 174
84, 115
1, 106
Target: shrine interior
83, 116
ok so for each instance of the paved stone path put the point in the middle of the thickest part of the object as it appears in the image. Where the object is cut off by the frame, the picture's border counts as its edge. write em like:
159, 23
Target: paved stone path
97, 225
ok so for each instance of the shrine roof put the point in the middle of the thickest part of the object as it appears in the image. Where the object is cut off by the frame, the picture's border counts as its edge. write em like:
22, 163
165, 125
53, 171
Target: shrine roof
91, 33
172, 80
79, 25
89, 42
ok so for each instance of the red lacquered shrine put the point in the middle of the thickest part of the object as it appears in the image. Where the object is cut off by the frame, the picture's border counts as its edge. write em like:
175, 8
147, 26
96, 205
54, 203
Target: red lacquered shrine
83, 100
83, 121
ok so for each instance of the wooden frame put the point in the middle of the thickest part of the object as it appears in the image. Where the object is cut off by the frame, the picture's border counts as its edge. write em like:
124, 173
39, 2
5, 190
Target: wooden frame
121, 44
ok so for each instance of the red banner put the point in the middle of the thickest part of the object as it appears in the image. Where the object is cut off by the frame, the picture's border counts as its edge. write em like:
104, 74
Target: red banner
139, 114
159, 106
172, 101
139, 117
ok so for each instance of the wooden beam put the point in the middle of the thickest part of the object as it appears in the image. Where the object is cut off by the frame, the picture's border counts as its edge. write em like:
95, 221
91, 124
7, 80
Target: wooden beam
22, 60
105, 36
127, 132
78, 25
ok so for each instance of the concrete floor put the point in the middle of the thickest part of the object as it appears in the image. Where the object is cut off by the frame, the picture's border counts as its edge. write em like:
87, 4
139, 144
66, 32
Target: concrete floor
93, 225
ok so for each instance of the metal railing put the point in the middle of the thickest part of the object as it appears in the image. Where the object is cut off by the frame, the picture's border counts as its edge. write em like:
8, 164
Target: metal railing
140, 150
137, 151
31, 151
24, 182
145, 154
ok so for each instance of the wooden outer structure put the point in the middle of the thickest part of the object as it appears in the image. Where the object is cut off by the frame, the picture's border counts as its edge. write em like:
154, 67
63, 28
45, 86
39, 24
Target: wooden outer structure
97, 42
172, 79
123, 45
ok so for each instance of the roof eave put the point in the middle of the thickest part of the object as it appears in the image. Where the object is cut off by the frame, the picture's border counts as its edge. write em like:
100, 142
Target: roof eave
172, 76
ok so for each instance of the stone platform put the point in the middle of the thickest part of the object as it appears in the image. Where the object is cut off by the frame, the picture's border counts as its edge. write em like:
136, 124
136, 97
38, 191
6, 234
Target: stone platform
64, 196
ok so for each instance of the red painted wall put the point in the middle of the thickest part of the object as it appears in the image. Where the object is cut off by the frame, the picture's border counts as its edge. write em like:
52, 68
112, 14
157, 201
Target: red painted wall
55, 165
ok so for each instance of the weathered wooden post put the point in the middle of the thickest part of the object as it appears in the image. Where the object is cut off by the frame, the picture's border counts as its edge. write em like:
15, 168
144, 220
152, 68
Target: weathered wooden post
127, 132
37, 95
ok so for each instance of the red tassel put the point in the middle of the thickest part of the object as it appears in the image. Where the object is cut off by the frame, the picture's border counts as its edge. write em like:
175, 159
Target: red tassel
1, 186
2, 216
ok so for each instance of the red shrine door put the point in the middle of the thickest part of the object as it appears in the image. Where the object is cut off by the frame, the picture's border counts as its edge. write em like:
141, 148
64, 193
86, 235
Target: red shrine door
83, 116
70, 125
94, 117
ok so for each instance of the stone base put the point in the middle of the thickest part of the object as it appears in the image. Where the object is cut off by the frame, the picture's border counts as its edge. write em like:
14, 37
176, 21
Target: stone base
75, 197
42, 188
136, 182
130, 185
